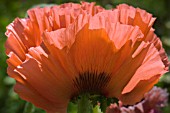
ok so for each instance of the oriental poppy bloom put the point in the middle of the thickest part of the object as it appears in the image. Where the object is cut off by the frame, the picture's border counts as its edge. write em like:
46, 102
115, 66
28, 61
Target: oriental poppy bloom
60, 52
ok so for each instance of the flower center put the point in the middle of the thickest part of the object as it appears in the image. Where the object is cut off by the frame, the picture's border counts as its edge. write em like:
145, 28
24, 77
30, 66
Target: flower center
91, 83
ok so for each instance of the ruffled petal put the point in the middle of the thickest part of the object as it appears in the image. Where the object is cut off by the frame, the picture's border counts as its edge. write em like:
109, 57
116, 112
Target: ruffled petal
90, 8
16, 40
48, 88
136, 17
152, 38
39, 17
13, 62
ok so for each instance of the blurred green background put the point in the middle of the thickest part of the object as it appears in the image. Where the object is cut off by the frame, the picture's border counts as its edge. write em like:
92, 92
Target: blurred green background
10, 9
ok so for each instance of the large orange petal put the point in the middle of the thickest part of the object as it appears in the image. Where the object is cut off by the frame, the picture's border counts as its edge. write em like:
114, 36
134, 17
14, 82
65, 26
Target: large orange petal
122, 73
28, 93
92, 51
151, 62
135, 69
138, 92
59, 56
50, 85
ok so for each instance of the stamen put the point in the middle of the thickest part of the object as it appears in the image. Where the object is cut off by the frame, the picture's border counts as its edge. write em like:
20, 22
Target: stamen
90, 82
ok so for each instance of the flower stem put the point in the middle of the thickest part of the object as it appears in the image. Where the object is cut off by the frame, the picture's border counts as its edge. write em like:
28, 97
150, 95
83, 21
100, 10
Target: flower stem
84, 105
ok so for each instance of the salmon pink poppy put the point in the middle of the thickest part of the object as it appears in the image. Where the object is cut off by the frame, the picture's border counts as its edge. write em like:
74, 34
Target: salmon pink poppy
60, 52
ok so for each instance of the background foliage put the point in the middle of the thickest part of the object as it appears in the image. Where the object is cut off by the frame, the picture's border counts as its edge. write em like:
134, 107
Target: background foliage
10, 9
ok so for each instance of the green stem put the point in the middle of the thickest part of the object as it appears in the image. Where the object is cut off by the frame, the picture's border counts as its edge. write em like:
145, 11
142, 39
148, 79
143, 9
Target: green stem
84, 105
103, 105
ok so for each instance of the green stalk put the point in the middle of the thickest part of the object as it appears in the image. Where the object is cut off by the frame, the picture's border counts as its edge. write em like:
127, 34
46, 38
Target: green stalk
84, 105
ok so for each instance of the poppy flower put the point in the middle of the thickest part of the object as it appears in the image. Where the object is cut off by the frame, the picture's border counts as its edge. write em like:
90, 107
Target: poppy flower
60, 52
